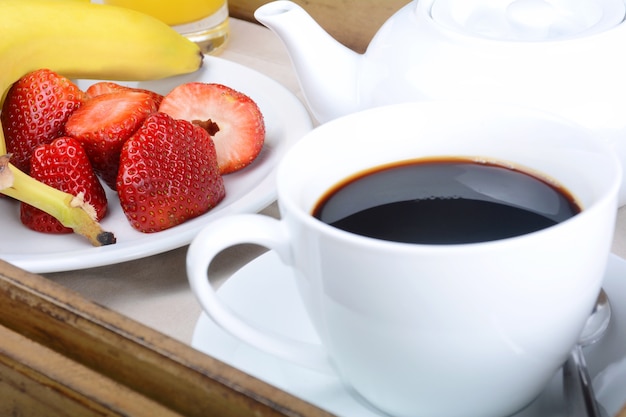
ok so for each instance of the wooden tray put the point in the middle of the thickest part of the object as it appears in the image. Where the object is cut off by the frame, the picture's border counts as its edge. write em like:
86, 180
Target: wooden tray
62, 355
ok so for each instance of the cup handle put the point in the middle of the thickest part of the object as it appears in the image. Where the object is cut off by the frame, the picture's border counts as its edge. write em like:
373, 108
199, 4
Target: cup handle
255, 229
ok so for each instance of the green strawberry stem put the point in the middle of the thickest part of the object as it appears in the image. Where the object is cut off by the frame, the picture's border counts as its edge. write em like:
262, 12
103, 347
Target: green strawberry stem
71, 211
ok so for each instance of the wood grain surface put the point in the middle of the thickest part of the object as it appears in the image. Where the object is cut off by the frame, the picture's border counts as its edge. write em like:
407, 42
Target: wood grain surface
62, 355
351, 22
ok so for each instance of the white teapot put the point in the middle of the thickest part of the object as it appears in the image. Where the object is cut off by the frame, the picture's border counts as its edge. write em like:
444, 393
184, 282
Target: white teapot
567, 57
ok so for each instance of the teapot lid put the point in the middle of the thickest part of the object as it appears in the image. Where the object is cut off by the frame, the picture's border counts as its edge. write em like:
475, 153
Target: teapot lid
528, 20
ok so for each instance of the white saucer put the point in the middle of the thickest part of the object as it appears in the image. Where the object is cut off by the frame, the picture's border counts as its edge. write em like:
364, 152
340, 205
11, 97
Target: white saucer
263, 292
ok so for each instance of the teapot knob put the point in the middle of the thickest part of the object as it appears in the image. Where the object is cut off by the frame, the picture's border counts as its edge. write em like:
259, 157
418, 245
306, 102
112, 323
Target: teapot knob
531, 17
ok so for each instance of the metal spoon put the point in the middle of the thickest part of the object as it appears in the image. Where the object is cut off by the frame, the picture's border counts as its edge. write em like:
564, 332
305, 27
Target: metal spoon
579, 396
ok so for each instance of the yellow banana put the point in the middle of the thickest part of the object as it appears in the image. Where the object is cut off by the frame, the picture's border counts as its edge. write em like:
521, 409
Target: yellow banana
87, 40
80, 39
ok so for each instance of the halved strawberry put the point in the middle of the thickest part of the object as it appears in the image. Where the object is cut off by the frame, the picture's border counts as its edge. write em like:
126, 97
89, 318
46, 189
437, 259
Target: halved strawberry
34, 112
240, 126
168, 174
106, 87
64, 165
104, 123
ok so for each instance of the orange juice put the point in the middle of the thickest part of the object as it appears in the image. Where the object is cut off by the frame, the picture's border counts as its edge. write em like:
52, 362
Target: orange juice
202, 21
173, 12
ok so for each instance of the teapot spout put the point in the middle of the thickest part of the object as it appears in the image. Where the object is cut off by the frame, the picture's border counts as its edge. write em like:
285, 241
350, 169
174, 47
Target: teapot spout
326, 69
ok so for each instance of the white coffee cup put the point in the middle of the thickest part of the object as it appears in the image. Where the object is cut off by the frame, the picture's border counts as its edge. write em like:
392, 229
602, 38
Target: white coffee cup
431, 330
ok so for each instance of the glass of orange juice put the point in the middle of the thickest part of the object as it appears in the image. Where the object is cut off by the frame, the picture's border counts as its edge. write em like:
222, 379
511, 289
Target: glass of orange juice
202, 21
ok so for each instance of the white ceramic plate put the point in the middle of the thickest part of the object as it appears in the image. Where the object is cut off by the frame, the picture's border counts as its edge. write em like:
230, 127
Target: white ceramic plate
248, 190
264, 292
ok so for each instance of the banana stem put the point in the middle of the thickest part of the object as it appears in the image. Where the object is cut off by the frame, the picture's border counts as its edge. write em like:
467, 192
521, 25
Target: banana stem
71, 211
3, 145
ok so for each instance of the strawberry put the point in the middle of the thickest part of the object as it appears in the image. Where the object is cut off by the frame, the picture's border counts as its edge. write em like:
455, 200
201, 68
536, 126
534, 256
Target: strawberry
34, 112
233, 119
104, 123
168, 174
106, 87
64, 165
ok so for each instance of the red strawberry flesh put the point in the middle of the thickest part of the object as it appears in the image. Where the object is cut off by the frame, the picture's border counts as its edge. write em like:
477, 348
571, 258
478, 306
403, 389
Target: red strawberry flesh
63, 164
168, 174
107, 87
104, 123
241, 128
34, 112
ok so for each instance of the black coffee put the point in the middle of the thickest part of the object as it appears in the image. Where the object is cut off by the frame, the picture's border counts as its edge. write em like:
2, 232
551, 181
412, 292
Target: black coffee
445, 201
